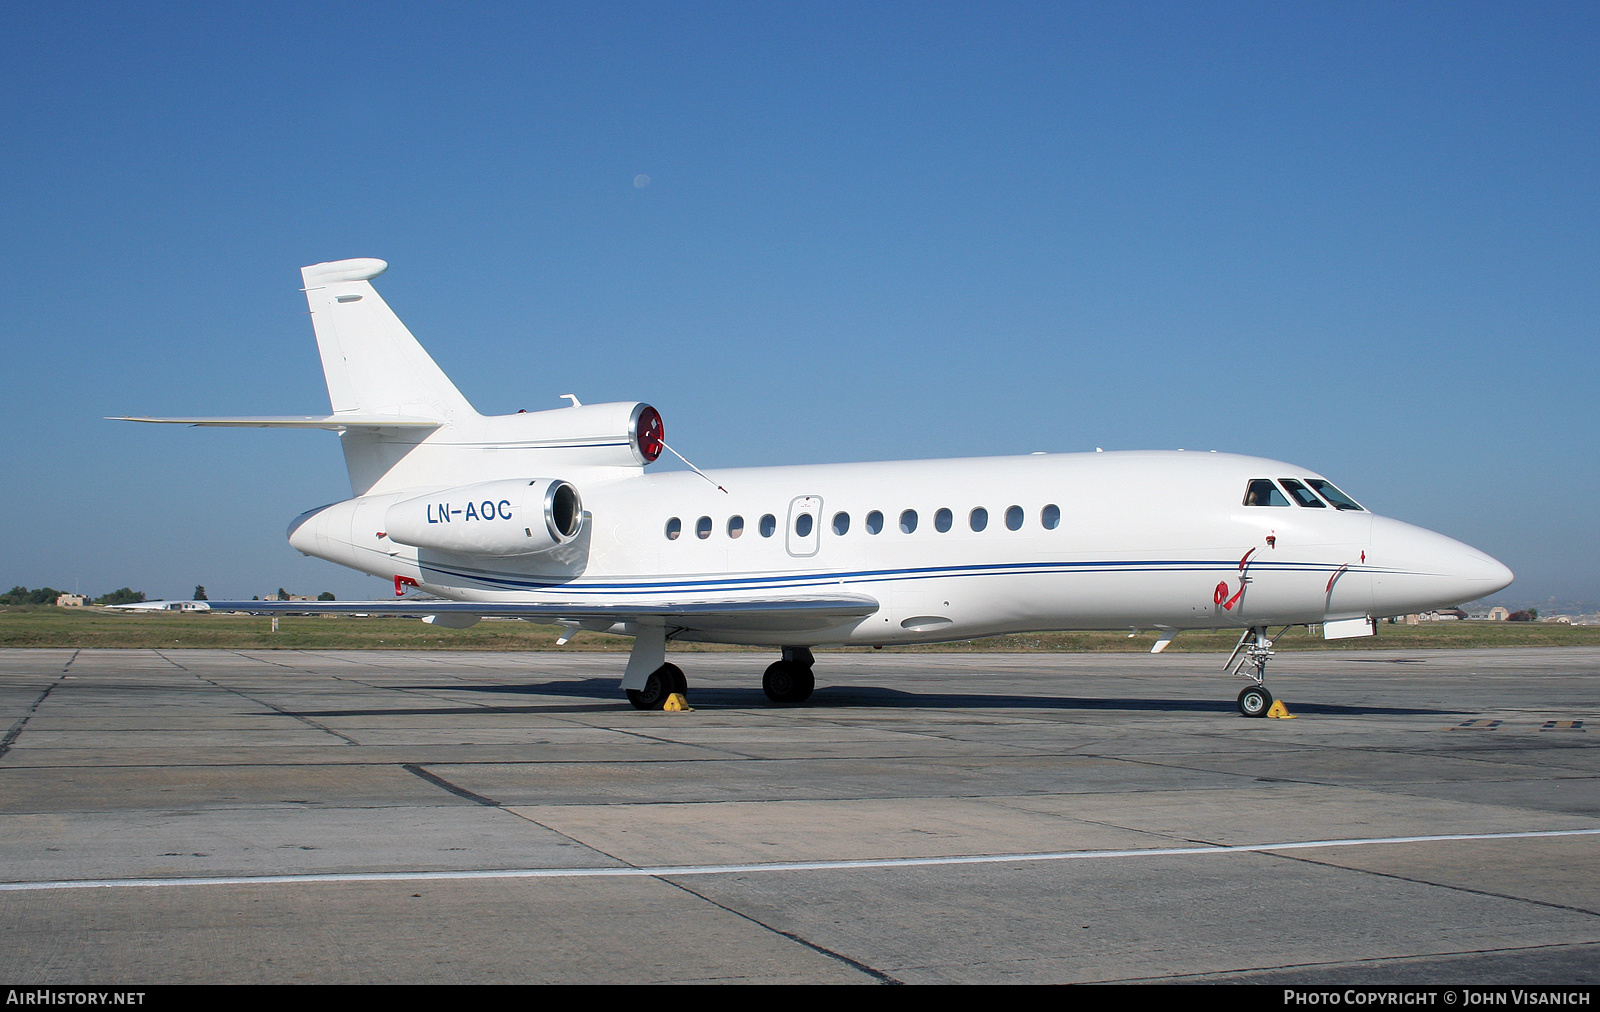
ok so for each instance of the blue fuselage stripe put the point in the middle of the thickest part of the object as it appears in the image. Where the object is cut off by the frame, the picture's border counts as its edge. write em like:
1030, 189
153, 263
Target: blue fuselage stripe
787, 581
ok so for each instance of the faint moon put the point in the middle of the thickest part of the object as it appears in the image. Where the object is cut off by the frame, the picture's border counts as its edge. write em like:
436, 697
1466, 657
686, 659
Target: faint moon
641, 181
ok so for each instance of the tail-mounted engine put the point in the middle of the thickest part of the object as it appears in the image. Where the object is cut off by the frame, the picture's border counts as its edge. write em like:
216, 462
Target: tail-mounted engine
515, 516
622, 433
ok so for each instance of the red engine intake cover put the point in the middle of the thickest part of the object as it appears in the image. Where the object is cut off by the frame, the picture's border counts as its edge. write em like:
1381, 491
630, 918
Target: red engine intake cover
648, 434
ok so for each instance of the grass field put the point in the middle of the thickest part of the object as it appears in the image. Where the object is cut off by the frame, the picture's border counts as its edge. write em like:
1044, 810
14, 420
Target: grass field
49, 626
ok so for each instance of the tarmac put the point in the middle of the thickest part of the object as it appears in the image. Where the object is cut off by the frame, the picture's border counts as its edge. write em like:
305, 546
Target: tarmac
213, 816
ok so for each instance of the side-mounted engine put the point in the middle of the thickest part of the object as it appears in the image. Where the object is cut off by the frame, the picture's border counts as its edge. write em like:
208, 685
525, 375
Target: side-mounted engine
514, 516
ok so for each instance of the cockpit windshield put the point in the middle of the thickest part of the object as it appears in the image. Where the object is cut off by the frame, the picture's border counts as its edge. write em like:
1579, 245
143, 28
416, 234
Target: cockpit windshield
1331, 493
1302, 495
1262, 492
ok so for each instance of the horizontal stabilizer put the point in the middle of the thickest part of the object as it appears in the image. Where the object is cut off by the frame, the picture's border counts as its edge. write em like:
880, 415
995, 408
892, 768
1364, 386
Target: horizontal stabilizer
335, 422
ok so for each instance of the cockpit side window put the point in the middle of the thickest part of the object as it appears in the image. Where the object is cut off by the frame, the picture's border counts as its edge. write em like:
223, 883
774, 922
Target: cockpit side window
1302, 495
1331, 493
1262, 492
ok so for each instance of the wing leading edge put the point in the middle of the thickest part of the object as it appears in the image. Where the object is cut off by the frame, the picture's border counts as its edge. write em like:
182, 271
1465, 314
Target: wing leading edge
788, 613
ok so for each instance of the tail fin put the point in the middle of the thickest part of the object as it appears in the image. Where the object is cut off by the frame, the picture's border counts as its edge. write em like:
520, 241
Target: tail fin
372, 363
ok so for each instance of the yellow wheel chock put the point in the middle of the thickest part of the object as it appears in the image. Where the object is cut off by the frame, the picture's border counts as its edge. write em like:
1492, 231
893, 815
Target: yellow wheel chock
676, 703
1280, 711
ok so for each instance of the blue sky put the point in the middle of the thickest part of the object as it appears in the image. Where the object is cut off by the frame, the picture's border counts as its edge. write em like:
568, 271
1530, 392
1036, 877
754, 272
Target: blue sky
1360, 237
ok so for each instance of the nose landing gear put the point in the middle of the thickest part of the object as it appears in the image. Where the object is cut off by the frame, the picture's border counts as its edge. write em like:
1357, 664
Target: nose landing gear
1256, 648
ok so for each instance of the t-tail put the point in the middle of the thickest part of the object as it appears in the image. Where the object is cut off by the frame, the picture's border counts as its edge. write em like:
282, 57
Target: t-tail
404, 425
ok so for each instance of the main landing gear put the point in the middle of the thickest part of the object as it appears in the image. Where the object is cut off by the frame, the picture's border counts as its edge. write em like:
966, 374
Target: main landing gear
1256, 648
651, 682
786, 681
662, 683
790, 680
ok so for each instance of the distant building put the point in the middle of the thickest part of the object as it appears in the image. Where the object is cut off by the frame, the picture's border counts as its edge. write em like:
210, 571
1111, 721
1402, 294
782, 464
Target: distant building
71, 601
1488, 615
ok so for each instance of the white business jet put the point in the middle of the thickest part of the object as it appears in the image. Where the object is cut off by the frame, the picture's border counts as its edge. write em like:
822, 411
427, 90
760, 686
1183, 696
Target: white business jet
550, 516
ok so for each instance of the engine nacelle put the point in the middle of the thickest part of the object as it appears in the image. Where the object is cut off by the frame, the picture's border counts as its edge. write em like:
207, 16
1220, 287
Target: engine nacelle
514, 516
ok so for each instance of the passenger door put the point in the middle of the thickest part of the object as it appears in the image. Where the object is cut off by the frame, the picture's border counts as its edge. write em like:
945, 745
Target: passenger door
805, 526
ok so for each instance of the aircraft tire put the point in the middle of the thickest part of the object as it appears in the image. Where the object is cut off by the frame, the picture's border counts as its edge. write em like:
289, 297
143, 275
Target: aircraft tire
787, 682
1255, 701
654, 694
674, 676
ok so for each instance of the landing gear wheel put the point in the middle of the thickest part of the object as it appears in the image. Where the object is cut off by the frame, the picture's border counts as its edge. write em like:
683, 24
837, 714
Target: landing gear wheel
1255, 701
663, 682
788, 682
673, 675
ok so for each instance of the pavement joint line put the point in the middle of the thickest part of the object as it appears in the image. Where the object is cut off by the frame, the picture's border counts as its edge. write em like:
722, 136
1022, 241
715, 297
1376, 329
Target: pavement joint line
1444, 885
855, 964
277, 709
16, 729
674, 871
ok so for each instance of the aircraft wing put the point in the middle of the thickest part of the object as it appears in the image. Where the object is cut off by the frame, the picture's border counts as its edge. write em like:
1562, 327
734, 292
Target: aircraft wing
776, 613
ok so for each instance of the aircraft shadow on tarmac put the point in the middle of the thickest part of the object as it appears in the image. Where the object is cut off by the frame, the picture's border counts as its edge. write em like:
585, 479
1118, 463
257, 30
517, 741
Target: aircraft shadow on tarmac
604, 691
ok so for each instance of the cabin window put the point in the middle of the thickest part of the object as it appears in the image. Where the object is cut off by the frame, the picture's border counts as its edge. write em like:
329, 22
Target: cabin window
1014, 518
803, 524
874, 522
1329, 492
941, 521
769, 525
978, 519
1302, 495
1262, 492
1050, 517
841, 523
702, 528
908, 521
674, 528
735, 526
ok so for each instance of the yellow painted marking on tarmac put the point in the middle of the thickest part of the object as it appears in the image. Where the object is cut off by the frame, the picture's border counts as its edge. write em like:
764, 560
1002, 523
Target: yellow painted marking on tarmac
677, 704
1280, 711
1562, 725
1479, 724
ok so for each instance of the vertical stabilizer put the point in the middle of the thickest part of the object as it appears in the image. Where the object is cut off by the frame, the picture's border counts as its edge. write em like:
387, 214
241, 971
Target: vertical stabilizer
372, 363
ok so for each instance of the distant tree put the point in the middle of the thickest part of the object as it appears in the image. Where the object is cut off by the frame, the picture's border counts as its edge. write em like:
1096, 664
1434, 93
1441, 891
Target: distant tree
255, 597
22, 595
200, 593
326, 595
1522, 616
283, 595
122, 595
1535, 613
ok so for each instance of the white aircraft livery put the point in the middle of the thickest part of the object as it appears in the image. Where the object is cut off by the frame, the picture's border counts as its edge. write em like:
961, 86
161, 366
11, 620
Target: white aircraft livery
551, 516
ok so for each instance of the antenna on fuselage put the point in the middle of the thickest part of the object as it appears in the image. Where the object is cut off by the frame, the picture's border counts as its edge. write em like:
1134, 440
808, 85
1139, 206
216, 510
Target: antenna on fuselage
696, 470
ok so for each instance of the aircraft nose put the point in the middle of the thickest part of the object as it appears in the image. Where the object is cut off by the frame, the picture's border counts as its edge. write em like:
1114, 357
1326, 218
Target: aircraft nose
1418, 570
